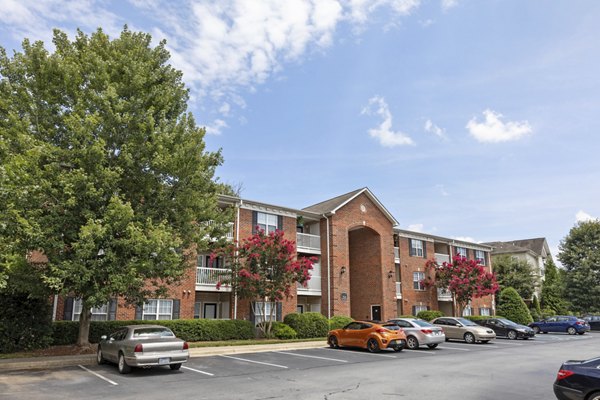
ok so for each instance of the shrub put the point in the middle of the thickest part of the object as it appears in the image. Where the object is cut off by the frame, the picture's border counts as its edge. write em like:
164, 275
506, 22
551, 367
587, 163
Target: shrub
429, 314
513, 307
339, 321
283, 331
476, 318
308, 325
191, 330
25, 323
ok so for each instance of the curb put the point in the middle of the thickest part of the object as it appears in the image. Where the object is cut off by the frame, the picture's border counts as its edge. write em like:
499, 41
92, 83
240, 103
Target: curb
15, 364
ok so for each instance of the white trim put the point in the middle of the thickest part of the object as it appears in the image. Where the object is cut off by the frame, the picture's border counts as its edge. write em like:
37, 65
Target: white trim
374, 199
268, 210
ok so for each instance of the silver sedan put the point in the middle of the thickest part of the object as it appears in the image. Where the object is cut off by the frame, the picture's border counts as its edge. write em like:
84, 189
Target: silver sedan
419, 332
143, 346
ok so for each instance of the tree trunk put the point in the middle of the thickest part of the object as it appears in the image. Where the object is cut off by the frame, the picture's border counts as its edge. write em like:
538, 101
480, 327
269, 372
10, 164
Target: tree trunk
83, 340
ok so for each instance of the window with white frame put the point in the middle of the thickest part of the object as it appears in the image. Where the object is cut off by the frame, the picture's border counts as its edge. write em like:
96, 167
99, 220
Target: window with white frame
480, 256
467, 312
417, 280
418, 309
485, 311
98, 313
263, 311
158, 309
461, 251
266, 222
416, 248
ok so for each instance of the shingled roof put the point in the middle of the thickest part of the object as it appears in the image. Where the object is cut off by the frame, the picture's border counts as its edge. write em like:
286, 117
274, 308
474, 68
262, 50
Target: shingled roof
535, 245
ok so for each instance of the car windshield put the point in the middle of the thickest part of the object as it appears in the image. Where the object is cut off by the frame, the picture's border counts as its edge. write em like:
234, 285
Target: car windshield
507, 322
466, 322
152, 332
422, 323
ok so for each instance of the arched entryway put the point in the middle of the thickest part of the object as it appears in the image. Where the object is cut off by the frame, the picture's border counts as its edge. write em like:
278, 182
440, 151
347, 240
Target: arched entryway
365, 273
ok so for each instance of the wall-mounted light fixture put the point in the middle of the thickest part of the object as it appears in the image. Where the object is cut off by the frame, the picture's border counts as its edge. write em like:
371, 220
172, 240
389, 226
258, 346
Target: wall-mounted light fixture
343, 270
390, 274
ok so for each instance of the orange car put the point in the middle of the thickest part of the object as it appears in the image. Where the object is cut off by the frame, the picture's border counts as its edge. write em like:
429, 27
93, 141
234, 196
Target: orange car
369, 335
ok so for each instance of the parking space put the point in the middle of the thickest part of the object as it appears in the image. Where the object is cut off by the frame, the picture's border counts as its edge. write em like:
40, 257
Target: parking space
77, 381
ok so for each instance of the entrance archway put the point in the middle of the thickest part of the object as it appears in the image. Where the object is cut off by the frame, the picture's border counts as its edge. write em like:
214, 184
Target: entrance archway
365, 262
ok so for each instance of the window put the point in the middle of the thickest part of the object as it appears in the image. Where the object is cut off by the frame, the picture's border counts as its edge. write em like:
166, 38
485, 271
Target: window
461, 251
204, 261
480, 256
418, 309
98, 313
416, 248
467, 312
158, 309
263, 311
417, 280
197, 310
485, 311
266, 222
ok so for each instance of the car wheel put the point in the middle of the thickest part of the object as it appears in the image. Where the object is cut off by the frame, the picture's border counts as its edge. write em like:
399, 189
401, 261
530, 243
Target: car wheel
432, 346
175, 367
594, 396
412, 343
512, 335
333, 342
536, 330
373, 346
99, 357
484, 341
123, 367
581, 333
469, 337
571, 330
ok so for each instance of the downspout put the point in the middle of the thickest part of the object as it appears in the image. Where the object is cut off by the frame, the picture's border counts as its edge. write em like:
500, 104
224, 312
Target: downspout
237, 241
328, 272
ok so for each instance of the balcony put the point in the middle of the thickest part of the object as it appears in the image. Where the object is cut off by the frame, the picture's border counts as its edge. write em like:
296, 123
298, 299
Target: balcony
444, 295
442, 258
207, 278
313, 286
307, 243
398, 290
397, 255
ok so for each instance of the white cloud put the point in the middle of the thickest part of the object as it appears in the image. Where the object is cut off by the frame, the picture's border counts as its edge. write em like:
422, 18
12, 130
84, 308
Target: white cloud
436, 130
448, 4
442, 190
216, 127
224, 109
358, 11
582, 216
466, 239
416, 227
493, 130
384, 133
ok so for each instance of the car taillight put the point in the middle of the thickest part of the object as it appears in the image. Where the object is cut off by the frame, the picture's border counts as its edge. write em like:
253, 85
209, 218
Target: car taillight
426, 331
186, 345
381, 330
138, 348
563, 373
578, 323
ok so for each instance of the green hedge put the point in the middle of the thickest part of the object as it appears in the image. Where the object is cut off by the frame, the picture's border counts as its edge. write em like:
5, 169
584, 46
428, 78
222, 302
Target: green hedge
191, 330
308, 325
25, 323
476, 318
283, 331
339, 321
429, 314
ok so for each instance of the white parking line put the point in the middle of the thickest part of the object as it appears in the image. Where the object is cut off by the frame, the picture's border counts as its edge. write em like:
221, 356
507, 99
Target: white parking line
307, 356
255, 362
511, 343
198, 371
453, 348
98, 375
368, 354
424, 352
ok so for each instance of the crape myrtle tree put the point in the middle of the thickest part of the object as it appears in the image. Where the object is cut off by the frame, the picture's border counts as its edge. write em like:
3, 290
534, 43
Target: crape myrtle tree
103, 169
264, 267
515, 273
580, 255
465, 279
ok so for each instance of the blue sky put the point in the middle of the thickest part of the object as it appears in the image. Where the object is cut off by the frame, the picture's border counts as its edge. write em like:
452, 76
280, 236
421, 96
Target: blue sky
466, 118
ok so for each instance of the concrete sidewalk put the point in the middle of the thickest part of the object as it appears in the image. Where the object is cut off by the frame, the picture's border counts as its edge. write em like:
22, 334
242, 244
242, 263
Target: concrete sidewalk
15, 364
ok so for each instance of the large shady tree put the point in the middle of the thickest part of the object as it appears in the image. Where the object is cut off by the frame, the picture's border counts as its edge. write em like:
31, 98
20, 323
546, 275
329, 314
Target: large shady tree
103, 170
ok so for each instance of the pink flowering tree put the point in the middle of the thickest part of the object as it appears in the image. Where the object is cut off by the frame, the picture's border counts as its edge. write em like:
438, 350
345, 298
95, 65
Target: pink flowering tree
264, 266
465, 279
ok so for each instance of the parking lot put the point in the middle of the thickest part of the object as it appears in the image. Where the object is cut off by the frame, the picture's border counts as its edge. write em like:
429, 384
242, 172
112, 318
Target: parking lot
455, 370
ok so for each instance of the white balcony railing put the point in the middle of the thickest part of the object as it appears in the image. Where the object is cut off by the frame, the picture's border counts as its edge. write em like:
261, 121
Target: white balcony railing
313, 286
398, 290
308, 242
207, 278
396, 254
444, 295
442, 258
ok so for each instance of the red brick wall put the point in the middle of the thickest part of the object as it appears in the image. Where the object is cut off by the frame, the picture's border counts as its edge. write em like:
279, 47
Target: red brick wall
408, 265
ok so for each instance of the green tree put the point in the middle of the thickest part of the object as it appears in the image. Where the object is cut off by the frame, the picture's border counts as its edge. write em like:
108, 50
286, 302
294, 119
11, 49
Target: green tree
580, 255
264, 267
553, 290
512, 306
515, 273
535, 309
103, 170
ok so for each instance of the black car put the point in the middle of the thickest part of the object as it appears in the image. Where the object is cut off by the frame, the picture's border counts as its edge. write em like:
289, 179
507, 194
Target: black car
578, 380
593, 320
507, 328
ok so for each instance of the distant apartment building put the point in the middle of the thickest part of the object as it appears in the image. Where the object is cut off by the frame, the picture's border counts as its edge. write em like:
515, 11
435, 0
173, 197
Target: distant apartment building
366, 268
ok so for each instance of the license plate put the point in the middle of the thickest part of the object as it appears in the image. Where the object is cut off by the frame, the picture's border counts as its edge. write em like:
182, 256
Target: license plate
163, 361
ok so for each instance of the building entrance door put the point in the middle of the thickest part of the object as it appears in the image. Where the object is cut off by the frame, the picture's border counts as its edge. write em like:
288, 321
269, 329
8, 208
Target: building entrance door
376, 313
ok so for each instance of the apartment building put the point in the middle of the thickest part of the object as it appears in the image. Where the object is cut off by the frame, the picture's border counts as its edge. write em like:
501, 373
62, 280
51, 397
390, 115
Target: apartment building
366, 268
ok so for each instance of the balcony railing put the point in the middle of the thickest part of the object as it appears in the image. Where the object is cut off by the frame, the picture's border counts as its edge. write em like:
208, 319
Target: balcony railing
207, 278
444, 295
396, 254
442, 258
313, 286
398, 290
308, 242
